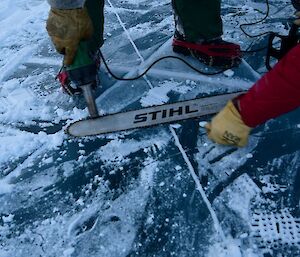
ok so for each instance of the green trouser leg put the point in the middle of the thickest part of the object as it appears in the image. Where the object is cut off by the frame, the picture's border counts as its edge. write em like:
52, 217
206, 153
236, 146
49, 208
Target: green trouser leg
199, 19
95, 10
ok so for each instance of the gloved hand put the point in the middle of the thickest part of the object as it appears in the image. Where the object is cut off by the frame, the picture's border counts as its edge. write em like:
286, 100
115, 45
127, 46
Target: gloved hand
67, 28
297, 21
227, 127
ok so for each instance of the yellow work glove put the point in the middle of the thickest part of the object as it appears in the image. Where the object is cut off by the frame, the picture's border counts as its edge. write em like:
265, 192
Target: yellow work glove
67, 28
227, 127
297, 21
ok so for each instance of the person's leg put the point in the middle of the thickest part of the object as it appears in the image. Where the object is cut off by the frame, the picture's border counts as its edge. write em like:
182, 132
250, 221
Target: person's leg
198, 19
84, 69
198, 33
95, 10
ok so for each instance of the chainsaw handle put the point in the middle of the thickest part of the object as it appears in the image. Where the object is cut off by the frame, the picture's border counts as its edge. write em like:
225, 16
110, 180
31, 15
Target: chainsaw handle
287, 43
271, 51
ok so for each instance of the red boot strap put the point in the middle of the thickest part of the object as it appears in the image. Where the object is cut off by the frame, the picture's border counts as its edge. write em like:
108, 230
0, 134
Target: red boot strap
220, 50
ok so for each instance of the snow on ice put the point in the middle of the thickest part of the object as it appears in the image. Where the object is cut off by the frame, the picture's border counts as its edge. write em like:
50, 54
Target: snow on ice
133, 193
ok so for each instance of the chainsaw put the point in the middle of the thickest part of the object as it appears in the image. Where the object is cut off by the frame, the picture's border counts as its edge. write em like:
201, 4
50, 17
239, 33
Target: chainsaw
286, 42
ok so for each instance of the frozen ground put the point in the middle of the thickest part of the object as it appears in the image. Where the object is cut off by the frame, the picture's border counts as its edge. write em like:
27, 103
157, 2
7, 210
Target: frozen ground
162, 191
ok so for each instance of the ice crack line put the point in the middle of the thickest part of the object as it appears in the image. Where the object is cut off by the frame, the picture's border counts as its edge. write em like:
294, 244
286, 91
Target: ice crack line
199, 187
126, 31
130, 39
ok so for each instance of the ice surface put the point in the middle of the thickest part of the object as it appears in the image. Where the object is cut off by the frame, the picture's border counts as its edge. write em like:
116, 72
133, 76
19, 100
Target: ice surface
132, 193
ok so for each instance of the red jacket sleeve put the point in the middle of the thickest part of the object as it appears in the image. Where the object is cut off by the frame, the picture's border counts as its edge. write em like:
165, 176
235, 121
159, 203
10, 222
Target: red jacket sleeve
276, 93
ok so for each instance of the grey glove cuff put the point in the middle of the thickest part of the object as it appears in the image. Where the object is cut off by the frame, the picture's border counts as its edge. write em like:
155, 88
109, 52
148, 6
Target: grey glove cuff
66, 4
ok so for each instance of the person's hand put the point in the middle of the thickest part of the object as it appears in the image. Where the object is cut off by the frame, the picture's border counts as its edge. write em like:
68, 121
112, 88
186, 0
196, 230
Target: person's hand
67, 28
227, 127
297, 21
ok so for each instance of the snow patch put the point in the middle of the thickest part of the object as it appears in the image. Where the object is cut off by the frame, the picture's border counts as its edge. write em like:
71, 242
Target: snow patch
228, 73
68, 252
5, 187
118, 149
202, 124
240, 193
229, 248
8, 219
159, 95
4, 253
